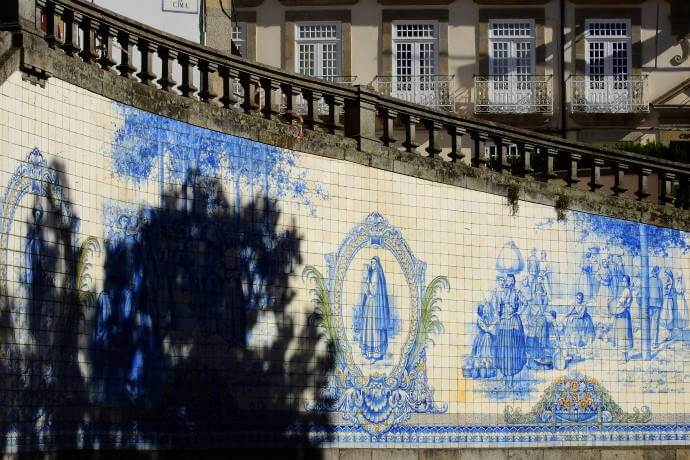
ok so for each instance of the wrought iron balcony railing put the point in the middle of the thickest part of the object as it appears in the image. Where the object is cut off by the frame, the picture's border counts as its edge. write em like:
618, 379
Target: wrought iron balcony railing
368, 121
429, 90
301, 102
610, 94
513, 94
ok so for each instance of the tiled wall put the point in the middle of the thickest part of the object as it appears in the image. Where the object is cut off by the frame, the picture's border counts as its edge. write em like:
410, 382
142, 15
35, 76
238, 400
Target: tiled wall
165, 285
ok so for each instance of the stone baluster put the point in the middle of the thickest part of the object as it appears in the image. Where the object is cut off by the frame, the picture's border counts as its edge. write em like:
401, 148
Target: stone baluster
433, 127
188, 63
71, 44
526, 152
106, 60
312, 98
643, 184
146, 49
502, 161
388, 117
247, 105
410, 124
50, 19
269, 86
479, 149
619, 179
550, 173
167, 57
206, 71
332, 102
228, 76
683, 198
666, 180
126, 66
455, 134
289, 95
573, 159
595, 174
88, 53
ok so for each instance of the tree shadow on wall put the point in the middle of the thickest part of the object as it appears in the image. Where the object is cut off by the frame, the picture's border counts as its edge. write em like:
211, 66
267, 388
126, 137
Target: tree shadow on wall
190, 345
44, 394
193, 345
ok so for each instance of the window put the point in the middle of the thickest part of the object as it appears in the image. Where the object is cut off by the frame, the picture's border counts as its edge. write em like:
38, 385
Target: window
239, 37
511, 49
318, 50
414, 53
607, 54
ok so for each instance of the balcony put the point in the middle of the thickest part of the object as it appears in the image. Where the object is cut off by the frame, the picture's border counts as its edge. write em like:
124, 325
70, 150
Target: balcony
513, 94
433, 91
610, 94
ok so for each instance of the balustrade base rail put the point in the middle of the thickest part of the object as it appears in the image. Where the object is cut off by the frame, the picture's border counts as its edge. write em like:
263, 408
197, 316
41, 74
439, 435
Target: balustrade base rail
87, 32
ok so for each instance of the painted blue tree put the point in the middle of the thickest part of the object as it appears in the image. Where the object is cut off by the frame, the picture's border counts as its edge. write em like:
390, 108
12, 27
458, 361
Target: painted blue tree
145, 143
637, 239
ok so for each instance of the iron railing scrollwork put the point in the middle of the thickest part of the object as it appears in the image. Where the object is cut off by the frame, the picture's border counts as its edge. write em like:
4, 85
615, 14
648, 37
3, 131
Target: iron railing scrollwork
513, 94
610, 94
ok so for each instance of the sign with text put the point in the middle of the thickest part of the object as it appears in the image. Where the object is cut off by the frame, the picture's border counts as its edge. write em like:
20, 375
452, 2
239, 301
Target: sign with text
181, 6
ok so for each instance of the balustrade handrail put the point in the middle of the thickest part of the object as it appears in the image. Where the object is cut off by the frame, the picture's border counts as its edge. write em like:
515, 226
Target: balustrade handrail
360, 103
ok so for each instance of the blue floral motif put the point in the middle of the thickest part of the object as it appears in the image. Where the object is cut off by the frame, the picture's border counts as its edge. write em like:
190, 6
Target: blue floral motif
145, 143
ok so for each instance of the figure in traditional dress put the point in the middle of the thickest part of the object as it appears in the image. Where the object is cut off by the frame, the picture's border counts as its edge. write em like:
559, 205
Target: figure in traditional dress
656, 302
579, 329
376, 315
545, 270
671, 316
33, 263
533, 270
682, 300
539, 349
481, 364
589, 280
622, 322
496, 297
510, 334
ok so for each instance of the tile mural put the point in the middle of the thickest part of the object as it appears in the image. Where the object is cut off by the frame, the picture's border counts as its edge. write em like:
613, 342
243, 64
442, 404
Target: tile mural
165, 285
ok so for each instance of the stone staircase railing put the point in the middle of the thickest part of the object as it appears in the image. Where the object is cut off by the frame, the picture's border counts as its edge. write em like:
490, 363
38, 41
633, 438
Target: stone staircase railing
94, 34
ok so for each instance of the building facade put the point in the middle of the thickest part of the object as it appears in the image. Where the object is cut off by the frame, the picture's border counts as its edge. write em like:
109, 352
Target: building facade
598, 72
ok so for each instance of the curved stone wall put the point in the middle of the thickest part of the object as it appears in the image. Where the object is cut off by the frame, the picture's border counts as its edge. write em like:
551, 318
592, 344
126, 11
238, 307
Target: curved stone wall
168, 286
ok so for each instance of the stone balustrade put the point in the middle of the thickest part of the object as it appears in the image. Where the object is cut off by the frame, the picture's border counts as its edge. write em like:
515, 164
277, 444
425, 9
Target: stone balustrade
134, 51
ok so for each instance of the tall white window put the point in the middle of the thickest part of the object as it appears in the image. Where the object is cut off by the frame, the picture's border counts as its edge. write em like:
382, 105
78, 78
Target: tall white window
607, 57
317, 50
511, 60
415, 55
239, 37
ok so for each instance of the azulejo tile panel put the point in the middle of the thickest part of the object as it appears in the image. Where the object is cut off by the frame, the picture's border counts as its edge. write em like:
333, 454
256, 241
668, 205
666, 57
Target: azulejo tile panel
167, 286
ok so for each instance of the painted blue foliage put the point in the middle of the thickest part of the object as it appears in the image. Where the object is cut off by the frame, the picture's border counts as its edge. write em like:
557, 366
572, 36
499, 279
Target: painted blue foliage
626, 234
146, 142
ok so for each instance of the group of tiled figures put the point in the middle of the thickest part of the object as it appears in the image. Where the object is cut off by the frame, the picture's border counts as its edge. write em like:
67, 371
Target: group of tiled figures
520, 327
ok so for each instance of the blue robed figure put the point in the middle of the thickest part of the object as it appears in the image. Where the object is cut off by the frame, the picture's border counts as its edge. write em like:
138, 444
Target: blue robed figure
375, 311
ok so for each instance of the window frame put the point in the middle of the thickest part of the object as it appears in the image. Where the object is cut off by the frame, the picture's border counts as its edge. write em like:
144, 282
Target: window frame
512, 48
318, 55
242, 28
608, 41
415, 41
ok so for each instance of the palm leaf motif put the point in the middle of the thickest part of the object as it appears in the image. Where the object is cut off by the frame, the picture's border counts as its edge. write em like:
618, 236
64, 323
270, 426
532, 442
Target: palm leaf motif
89, 250
322, 316
429, 323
